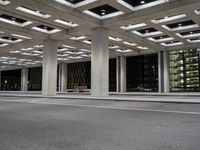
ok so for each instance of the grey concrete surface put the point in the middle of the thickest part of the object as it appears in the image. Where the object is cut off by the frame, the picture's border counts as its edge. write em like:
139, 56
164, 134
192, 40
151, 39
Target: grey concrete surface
52, 124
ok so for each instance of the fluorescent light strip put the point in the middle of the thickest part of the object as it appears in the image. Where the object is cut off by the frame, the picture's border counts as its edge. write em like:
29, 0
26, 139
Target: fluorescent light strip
194, 41
143, 48
75, 57
188, 36
147, 34
71, 24
134, 26
123, 50
35, 13
10, 41
115, 38
197, 12
62, 59
4, 44
142, 6
85, 50
161, 40
39, 52
86, 55
181, 27
29, 54
38, 46
67, 46
113, 47
105, 16
85, 2
75, 53
21, 36
172, 44
4, 2
87, 42
15, 52
77, 38
62, 49
168, 18
27, 49
131, 44
15, 23
1, 32
46, 31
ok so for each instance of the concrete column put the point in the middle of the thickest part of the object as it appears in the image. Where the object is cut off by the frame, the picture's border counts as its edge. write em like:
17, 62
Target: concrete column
99, 62
62, 77
0, 81
121, 74
163, 72
24, 79
49, 68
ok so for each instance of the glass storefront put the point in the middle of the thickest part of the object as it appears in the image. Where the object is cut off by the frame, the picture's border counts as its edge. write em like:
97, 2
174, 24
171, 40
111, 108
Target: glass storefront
184, 70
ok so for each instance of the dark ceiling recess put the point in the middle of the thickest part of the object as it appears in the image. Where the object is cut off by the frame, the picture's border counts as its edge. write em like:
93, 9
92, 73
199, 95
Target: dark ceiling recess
103, 10
148, 30
14, 19
161, 37
172, 42
44, 27
181, 24
9, 38
136, 3
74, 1
190, 32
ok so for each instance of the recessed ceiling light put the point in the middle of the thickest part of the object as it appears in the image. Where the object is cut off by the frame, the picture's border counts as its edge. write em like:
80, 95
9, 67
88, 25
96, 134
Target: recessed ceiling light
3, 44
4, 2
67, 23
124, 50
33, 12
138, 5
133, 26
75, 4
115, 38
129, 43
173, 43
67, 46
142, 47
27, 49
21, 36
88, 41
168, 18
46, 29
77, 37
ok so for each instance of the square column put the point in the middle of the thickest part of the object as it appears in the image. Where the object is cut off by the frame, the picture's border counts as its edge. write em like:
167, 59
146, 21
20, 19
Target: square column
163, 72
99, 62
121, 74
24, 79
49, 68
62, 77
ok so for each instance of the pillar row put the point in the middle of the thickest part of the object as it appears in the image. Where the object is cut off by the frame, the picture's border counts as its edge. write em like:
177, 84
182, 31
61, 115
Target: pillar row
24, 79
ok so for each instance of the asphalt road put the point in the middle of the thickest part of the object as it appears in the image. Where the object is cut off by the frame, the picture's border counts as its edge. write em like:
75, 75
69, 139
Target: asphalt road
51, 124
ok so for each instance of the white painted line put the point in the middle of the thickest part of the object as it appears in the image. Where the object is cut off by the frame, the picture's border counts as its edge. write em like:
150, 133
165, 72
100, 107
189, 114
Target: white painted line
122, 108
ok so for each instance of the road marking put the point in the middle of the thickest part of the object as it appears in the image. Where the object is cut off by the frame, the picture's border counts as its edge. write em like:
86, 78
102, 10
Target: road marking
119, 108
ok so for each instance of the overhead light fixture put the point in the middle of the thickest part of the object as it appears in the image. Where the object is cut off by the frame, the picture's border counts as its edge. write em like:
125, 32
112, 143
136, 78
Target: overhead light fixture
161, 39
85, 50
33, 12
15, 52
168, 18
67, 23
197, 12
175, 43
77, 38
88, 41
75, 57
113, 46
67, 46
39, 52
3, 44
133, 26
4, 2
143, 4
62, 49
78, 4
194, 40
75, 52
124, 50
38, 46
14, 20
142, 47
114, 38
27, 49
21, 36
130, 44
147, 33
45, 29
105, 16
10, 40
